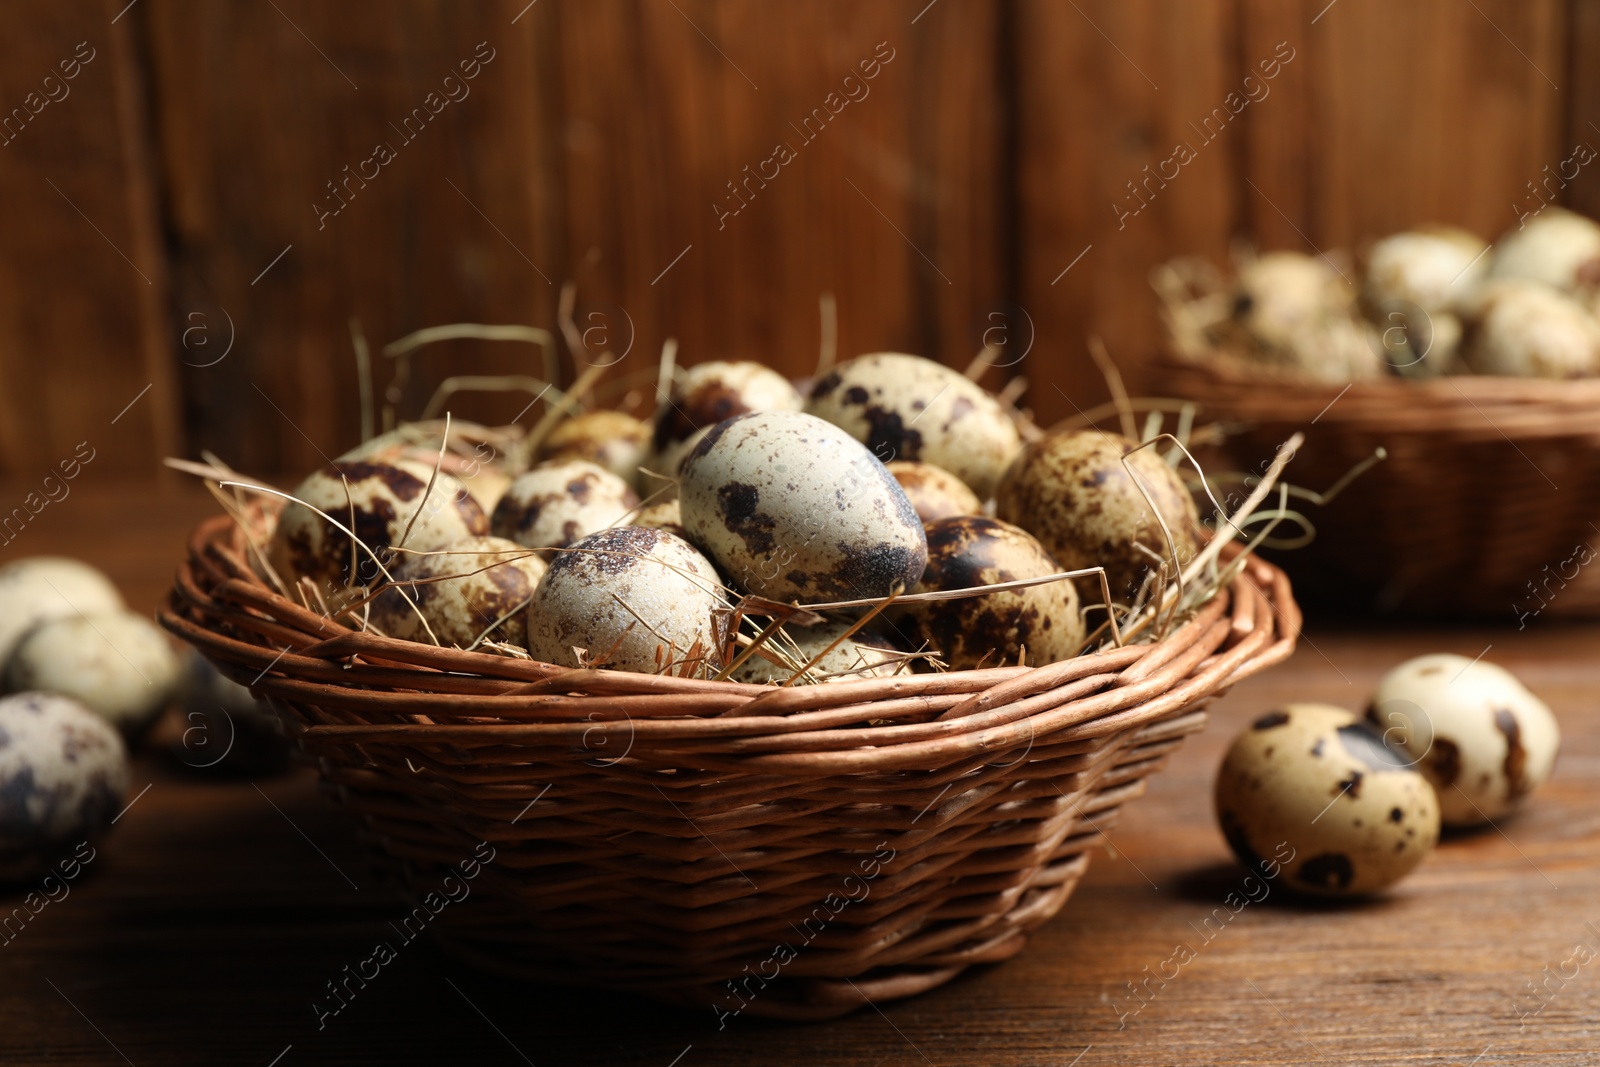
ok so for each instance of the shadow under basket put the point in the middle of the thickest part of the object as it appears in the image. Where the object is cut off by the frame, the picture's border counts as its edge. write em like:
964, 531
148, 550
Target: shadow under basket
1486, 505
785, 852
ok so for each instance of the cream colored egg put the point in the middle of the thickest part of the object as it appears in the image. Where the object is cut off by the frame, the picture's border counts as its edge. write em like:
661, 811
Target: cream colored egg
118, 664
630, 598
662, 515
560, 503
705, 394
386, 504
934, 491
1296, 313
610, 439
864, 654
794, 508
1433, 268
1480, 736
476, 456
41, 588
1527, 330
1555, 248
1312, 794
63, 775
996, 628
911, 408
461, 590
1071, 490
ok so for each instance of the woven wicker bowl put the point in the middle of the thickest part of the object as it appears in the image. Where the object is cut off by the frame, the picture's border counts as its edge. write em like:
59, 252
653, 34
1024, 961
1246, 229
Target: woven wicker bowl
1487, 504
667, 835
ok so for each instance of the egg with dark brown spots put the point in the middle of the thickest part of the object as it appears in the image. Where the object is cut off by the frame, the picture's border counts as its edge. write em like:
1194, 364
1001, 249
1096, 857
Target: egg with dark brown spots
476, 455
1311, 793
908, 407
1483, 740
63, 774
703, 395
560, 503
385, 504
1071, 491
867, 653
934, 491
632, 599
794, 508
467, 590
611, 439
994, 628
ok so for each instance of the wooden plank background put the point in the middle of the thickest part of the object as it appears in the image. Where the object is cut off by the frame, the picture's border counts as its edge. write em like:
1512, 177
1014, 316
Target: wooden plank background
166, 208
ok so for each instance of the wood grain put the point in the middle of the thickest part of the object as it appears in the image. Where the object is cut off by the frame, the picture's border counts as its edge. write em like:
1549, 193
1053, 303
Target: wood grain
208, 925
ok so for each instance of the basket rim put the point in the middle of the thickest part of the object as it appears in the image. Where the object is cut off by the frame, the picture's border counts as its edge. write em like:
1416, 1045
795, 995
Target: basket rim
372, 689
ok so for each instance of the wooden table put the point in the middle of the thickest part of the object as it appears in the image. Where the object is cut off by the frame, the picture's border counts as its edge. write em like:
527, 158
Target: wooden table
218, 909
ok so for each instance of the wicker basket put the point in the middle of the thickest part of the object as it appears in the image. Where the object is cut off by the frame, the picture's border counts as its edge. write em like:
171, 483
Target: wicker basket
667, 835
1487, 503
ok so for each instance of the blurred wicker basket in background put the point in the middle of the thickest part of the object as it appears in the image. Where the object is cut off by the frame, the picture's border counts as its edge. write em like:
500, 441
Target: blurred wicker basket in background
666, 835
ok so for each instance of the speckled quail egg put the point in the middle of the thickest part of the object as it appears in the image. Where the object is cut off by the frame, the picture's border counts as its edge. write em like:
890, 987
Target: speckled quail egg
1297, 313
117, 664
560, 503
970, 550
633, 599
664, 466
934, 491
63, 773
225, 728
703, 395
1070, 490
41, 588
866, 653
610, 439
461, 590
476, 456
1528, 330
1481, 738
908, 407
1433, 268
1557, 248
794, 508
1338, 812
387, 501
662, 515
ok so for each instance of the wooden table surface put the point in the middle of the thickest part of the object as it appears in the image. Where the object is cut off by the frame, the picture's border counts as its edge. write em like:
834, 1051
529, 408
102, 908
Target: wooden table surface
217, 910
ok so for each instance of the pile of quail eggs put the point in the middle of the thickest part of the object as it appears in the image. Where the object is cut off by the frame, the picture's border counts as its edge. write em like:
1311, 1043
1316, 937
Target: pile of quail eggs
1427, 302
1356, 802
622, 542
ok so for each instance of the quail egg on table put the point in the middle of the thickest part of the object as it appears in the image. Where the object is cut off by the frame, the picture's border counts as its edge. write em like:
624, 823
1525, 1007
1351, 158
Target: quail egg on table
461, 590
1480, 736
703, 395
934, 491
1315, 788
794, 508
995, 628
633, 599
1528, 330
63, 773
1071, 491
908, 407
560, 503
610, 439
41, 588
864, 654
385, 505
118, 664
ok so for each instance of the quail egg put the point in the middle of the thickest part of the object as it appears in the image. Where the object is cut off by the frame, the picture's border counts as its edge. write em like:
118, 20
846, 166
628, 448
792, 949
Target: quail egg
707, 393
1296, 312
117, 664
1071, 491
794, 508
934, 491
970, 550
610, 439
1528, 330
630, 598
1482, 739
385, 506
63, 773
662, 515
864, 654
1317, 789
1433, 268
473, 457
560, 503
908, 407
1557, 248
41, 588
461, 590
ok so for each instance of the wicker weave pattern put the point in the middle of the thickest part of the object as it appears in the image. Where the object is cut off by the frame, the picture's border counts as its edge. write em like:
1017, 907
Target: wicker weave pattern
680, 829
1489, 487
